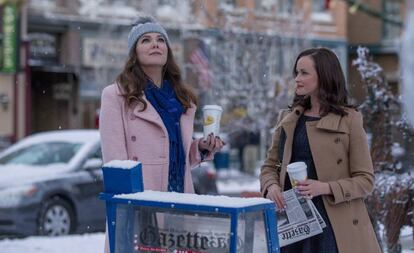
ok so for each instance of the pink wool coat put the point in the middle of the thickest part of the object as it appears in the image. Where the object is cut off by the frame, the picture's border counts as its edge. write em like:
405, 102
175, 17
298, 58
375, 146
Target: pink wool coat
127, 133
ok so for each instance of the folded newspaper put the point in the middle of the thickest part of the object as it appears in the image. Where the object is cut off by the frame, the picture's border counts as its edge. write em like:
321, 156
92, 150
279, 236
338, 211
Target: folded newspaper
299, 220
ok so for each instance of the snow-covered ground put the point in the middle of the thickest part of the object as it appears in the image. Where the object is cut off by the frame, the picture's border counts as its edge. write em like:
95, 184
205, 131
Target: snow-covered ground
88, 243
406, 238
233, 182
93, 243
229, 182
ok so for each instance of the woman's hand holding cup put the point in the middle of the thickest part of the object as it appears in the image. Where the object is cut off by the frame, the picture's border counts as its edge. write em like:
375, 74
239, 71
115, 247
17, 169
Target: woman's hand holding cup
212, 144
311, 188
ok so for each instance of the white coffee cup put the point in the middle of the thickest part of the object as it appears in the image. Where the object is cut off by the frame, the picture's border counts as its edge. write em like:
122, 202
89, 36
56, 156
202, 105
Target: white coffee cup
297, 172
211, 119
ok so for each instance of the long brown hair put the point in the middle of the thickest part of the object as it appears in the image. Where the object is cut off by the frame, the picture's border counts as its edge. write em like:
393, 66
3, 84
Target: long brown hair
132, 81
332, 95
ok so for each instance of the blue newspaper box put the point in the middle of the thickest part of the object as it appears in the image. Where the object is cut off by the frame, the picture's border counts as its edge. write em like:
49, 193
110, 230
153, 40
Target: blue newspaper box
151, 221
222, 160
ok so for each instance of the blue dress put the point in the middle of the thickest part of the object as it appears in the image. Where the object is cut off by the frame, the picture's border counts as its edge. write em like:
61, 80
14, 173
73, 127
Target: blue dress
324, 242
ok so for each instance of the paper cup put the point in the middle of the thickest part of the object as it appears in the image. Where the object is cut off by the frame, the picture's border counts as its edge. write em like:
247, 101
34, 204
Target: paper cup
297, 172
211, 119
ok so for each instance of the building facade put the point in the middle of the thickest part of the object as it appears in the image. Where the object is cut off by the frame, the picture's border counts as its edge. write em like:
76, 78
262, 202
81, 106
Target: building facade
70, 50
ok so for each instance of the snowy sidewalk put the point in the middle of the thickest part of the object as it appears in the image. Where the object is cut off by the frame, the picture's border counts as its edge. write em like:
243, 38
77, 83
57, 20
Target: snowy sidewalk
406, 238
88, 243
93, 243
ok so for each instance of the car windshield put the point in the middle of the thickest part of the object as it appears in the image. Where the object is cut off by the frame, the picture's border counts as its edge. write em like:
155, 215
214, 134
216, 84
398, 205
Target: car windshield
42, 154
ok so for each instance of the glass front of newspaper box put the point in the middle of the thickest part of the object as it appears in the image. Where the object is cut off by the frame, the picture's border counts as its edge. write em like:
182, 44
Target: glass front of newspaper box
143, 229
251, 228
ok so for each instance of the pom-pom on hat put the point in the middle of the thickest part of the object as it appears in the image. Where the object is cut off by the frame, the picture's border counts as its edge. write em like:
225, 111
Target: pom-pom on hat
142, 26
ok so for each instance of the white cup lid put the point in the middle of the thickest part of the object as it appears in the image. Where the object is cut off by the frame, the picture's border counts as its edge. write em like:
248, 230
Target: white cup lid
296, 166
212, 107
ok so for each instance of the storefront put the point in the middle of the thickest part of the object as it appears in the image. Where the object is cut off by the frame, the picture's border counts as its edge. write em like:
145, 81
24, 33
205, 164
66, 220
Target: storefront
103, 56
10, 86
54, 86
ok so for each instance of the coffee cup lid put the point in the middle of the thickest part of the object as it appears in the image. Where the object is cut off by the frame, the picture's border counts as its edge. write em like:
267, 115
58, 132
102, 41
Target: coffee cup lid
296, 166
212, 107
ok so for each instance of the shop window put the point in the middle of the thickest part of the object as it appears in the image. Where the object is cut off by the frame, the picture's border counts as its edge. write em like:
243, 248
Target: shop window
43, 47
227, 4
320, 11
285, 6
267, 6
320, 5
167, 2
392, 10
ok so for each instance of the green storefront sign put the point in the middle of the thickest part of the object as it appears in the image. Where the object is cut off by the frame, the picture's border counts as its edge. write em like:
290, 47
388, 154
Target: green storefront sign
8, 38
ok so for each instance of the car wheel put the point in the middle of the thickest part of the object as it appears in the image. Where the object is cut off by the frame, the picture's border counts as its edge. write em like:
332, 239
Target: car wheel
56, 218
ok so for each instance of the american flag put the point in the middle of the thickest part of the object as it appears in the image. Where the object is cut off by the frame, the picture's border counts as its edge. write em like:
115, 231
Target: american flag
201, 62
327, 4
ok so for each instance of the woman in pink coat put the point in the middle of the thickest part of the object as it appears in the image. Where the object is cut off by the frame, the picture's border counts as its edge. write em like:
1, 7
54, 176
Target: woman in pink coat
148, 114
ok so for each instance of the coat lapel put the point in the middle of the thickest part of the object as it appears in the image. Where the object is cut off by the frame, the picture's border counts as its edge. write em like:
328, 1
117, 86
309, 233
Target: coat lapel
149, 114
332, 122
186, 122
288, 125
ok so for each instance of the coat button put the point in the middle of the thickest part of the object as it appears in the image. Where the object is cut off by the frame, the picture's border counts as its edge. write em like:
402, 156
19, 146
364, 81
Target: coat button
347, 195
355, 222
135, 158
133, 138
297, 112
339, 161
337, 140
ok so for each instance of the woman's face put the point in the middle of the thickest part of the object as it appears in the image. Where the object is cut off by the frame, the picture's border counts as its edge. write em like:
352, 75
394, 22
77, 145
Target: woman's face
306, 79
152, 50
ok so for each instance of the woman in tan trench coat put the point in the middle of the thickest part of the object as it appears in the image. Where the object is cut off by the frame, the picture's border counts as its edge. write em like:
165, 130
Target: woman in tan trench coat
327, 133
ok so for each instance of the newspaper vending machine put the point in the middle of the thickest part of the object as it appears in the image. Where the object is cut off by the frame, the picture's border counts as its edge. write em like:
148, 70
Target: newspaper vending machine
149, 221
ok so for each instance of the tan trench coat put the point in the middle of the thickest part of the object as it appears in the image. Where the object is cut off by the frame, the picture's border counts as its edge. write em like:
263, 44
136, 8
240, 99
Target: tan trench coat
342, 159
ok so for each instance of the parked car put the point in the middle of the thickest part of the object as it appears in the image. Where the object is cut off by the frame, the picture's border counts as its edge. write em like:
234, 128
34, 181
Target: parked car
204, 178
50, 182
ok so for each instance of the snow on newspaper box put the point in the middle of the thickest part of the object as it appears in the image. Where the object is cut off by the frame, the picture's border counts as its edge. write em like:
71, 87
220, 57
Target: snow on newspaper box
150, 221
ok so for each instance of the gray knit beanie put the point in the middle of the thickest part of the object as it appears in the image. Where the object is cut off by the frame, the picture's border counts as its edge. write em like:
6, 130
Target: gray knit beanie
142, 26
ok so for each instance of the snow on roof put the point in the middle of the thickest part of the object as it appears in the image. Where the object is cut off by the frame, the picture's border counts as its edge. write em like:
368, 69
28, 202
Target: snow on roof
89, 137
75, 136
121, 164
187, 198
64, 135
69, 135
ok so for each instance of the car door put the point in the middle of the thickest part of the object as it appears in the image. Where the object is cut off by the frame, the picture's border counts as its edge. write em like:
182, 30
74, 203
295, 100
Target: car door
90, 184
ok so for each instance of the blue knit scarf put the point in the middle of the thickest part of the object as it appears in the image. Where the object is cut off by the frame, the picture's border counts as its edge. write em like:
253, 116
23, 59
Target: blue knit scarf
170, 110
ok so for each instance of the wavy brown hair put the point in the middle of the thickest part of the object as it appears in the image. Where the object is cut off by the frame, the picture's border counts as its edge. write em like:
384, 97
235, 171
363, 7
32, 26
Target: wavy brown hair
132, 81
332, 95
